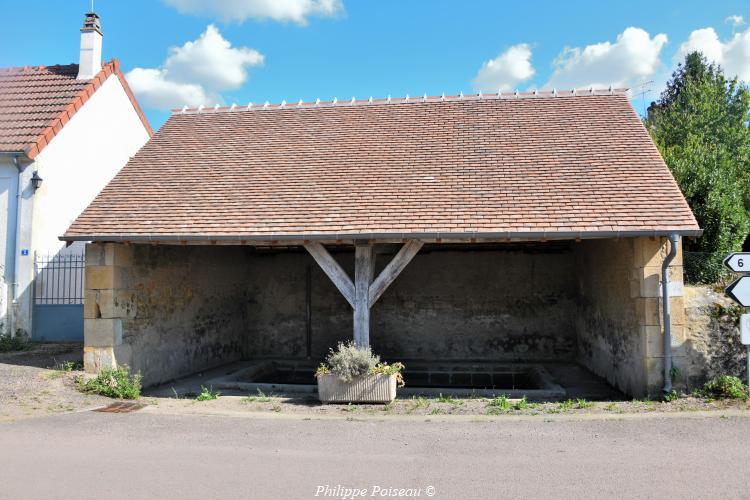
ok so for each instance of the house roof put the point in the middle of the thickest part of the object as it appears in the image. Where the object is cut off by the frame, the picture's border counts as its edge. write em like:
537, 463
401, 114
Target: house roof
510, 166
36, 102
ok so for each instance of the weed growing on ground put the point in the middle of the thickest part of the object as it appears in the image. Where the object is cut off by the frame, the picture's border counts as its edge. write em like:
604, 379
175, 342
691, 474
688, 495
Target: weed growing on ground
207, 394
388, 407
727, 387
499, 405
671, 396
260, 398
436, 411
113, 383
60, 369
448, 399
419, 402
523, 404
11, 343
569, 404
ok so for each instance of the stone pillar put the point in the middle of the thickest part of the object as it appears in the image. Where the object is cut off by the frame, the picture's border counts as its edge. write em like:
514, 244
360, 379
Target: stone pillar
649, 256
108, 301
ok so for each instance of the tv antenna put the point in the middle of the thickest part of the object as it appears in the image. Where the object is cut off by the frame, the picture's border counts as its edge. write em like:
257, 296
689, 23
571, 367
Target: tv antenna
639, 91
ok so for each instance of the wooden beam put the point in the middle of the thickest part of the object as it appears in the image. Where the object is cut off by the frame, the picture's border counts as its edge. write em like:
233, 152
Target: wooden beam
364, 268
332, 268
393, 269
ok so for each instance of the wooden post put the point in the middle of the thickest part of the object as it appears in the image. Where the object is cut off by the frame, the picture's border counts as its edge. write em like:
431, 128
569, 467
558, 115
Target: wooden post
364, 291
364, 268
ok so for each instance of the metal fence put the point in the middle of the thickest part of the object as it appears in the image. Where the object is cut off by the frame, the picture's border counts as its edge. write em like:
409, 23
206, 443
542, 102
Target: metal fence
59, 279
705, 268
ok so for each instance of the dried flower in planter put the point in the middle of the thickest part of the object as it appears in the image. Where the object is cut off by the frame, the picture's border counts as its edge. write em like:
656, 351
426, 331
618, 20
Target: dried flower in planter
355, 374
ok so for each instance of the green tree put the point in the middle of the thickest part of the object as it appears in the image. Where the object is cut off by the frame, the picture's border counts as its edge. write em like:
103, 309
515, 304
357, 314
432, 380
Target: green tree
700, 125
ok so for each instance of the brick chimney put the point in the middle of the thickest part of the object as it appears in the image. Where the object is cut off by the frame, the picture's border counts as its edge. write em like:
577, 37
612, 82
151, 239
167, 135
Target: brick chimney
91, 47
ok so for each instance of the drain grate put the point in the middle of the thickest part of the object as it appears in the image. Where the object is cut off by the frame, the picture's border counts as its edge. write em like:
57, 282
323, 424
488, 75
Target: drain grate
121, 408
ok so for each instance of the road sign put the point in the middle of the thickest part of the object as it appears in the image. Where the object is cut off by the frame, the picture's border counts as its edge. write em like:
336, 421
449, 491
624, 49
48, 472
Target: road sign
745, 329
738, 262
739, 291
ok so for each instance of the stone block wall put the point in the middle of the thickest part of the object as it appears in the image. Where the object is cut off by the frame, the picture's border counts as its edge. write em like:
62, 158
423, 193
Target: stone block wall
620, 331
483, 304
163, 311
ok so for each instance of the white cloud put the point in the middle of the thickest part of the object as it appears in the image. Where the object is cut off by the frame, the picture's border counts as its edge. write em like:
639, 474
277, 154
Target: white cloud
506, 71
195, 73
733, 55
735, 21
212, 61
155, 90
296, 11
633, 57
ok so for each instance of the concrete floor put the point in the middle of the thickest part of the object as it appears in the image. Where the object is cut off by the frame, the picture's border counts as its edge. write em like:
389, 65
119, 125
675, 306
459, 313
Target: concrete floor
143, 455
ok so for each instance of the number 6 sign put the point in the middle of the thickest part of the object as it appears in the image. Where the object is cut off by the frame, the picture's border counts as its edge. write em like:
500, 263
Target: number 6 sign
738, 262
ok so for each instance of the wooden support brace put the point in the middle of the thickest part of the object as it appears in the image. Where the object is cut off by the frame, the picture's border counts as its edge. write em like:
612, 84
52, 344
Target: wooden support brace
393, 269
364, 292
332, 268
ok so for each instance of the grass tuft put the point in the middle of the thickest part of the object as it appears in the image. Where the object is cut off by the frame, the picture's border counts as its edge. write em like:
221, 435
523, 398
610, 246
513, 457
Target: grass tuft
113, 383
207, 394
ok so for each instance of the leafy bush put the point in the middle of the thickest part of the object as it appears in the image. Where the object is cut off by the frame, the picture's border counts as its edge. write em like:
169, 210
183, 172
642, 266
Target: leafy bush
348, 361
726, 386
114, 383
207, 394
18, 342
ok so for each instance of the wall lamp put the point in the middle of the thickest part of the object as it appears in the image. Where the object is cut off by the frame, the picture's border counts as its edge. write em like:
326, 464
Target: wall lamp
36, 181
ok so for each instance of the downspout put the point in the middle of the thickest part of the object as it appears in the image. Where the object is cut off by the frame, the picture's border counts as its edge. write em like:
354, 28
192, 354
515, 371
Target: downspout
17, 253
675, 241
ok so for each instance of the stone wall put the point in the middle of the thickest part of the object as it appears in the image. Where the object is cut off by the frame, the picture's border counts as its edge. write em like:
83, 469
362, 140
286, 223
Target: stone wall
713, 338
468, 305
164, 311
168, 311
620, 334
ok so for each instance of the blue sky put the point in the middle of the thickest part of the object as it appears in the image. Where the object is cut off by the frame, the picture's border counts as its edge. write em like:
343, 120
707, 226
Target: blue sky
260, 50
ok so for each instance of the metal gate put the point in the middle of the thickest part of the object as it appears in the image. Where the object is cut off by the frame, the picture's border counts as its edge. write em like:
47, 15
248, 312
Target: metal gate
58, 298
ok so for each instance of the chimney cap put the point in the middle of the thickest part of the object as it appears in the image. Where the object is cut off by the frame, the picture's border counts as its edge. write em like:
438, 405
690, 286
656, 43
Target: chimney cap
91, 22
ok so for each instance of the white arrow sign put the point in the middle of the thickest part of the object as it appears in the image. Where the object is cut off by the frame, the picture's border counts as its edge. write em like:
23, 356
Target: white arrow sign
738, 262
745, 329
739, 291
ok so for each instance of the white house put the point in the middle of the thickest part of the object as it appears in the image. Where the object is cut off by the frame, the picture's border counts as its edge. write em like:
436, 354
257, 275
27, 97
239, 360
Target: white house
65, 131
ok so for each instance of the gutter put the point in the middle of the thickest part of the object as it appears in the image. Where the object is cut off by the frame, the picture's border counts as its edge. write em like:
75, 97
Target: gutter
17, 252
675, 241
239, 239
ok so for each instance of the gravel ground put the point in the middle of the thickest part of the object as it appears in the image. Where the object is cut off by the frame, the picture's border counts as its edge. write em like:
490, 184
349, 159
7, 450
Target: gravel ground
309, 406
32, 383
35, 383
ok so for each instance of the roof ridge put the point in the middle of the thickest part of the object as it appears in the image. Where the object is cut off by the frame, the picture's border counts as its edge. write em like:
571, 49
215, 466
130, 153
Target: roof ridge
92, 85
533, 94
40, 67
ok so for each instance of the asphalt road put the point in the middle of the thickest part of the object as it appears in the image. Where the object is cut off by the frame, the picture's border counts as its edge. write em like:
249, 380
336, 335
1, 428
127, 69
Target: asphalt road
147, 455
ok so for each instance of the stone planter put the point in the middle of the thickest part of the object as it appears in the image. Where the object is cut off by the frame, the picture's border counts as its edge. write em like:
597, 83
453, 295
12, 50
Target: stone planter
378, 388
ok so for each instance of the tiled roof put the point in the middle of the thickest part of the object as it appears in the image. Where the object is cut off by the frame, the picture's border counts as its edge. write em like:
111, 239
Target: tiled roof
36, 102
547, 165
